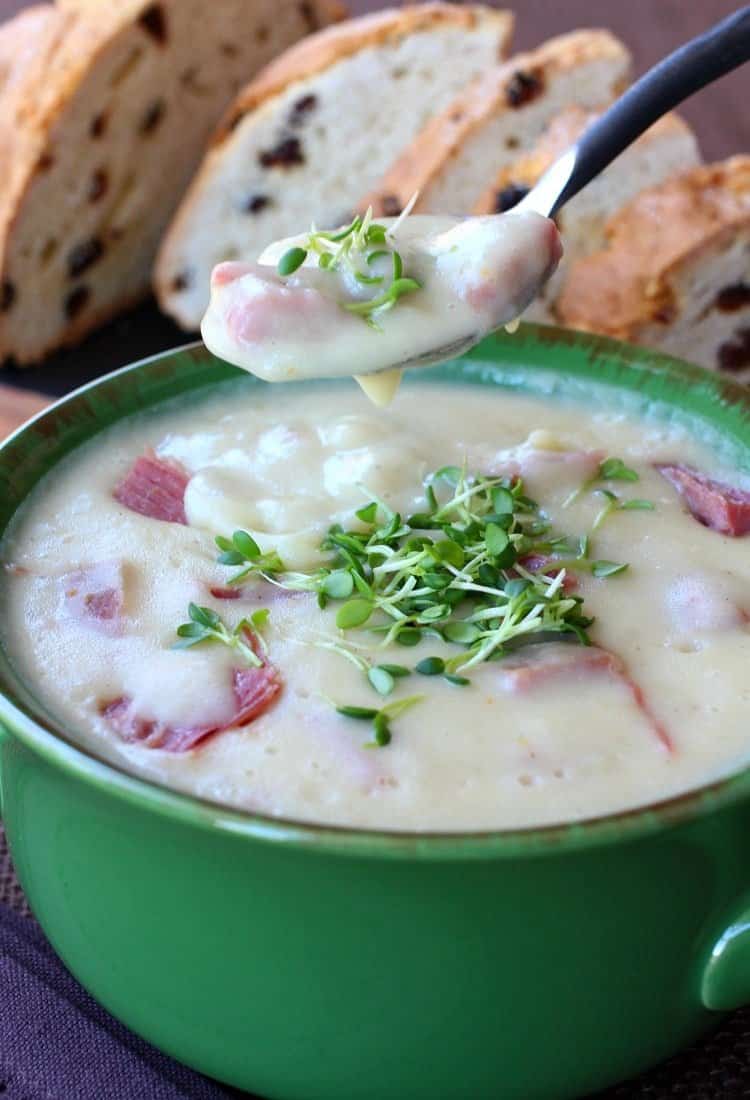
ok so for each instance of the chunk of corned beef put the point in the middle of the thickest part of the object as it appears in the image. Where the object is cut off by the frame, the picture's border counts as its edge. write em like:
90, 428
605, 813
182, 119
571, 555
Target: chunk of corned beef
535, 666
257, 591
154, 487
131, 726
224, 592
723, 508
94, 594
254, 691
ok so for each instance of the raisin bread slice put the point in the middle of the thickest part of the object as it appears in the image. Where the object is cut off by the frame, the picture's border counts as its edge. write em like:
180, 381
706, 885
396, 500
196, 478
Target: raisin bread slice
674, 272
668, 147
105, 112
315, 131
500, 114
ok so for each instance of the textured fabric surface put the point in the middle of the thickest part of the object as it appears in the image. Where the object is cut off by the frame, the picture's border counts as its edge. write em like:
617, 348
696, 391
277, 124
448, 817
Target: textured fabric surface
57, 1044
11, 893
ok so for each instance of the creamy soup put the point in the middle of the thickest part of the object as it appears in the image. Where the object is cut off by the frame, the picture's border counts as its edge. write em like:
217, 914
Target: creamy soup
375, 296
425, 670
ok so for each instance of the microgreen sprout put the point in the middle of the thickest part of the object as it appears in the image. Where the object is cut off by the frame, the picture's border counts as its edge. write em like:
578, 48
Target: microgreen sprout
477, 571
205, 625
242, 549
613, 503
607, 568
453, 571
385, 301
614, 469
609, 469
352, 249
381, 717
291, 260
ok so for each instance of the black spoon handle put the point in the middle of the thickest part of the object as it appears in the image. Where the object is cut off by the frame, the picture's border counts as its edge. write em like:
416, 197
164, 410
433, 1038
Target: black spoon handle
692, 66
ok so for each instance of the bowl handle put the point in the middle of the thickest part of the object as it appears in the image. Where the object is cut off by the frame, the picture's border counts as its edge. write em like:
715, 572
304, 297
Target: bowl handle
726, 978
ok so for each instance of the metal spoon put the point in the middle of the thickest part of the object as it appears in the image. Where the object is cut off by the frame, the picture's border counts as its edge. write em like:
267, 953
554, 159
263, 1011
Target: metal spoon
699, 62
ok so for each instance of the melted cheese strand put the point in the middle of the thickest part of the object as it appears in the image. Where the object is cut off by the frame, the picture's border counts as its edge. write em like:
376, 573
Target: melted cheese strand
381, 387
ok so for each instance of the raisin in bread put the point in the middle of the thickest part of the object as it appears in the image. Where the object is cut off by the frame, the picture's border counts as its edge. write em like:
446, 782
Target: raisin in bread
668, 147
315, 131
105, 112
674, 272
499, 115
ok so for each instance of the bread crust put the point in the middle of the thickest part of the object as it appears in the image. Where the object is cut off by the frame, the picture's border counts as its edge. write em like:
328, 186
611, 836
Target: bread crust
628, 286
46, 53
311, 56
564, 130
308, 59
488, 96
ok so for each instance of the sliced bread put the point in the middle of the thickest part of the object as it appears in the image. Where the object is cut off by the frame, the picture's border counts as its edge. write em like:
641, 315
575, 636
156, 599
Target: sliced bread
674, 272
105, 112
668, 147
315, 131
502, 113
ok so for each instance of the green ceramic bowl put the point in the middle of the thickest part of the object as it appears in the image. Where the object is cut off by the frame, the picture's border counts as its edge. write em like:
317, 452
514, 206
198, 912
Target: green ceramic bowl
303, 962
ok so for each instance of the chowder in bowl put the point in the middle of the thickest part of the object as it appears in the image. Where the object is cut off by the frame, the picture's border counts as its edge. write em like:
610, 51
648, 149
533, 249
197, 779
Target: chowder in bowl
363, 834
456, 614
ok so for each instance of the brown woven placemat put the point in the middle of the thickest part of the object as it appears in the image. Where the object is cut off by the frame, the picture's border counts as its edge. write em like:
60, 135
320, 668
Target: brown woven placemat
717, 1068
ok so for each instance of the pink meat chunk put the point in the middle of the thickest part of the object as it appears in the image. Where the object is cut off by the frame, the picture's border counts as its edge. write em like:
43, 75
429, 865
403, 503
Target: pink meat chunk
94, 594
723, 508
228, 272
534, 667
261, 306
154, 487
538, 665
224, 592
491, 292
257, 591
255, 689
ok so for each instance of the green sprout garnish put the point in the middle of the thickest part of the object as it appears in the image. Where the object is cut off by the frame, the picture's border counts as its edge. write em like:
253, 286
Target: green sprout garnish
431, 666
459, 571
385, 301
614, 469
381, 718
291, 260
242, 549
610, 469
607, 568
615, 504
205, 625
352, 249
453, 571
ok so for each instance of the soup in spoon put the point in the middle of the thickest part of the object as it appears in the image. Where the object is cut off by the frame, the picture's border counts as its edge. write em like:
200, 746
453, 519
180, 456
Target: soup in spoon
376, 297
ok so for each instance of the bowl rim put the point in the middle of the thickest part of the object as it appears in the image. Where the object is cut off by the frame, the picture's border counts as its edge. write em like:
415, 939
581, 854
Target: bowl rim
545, 840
